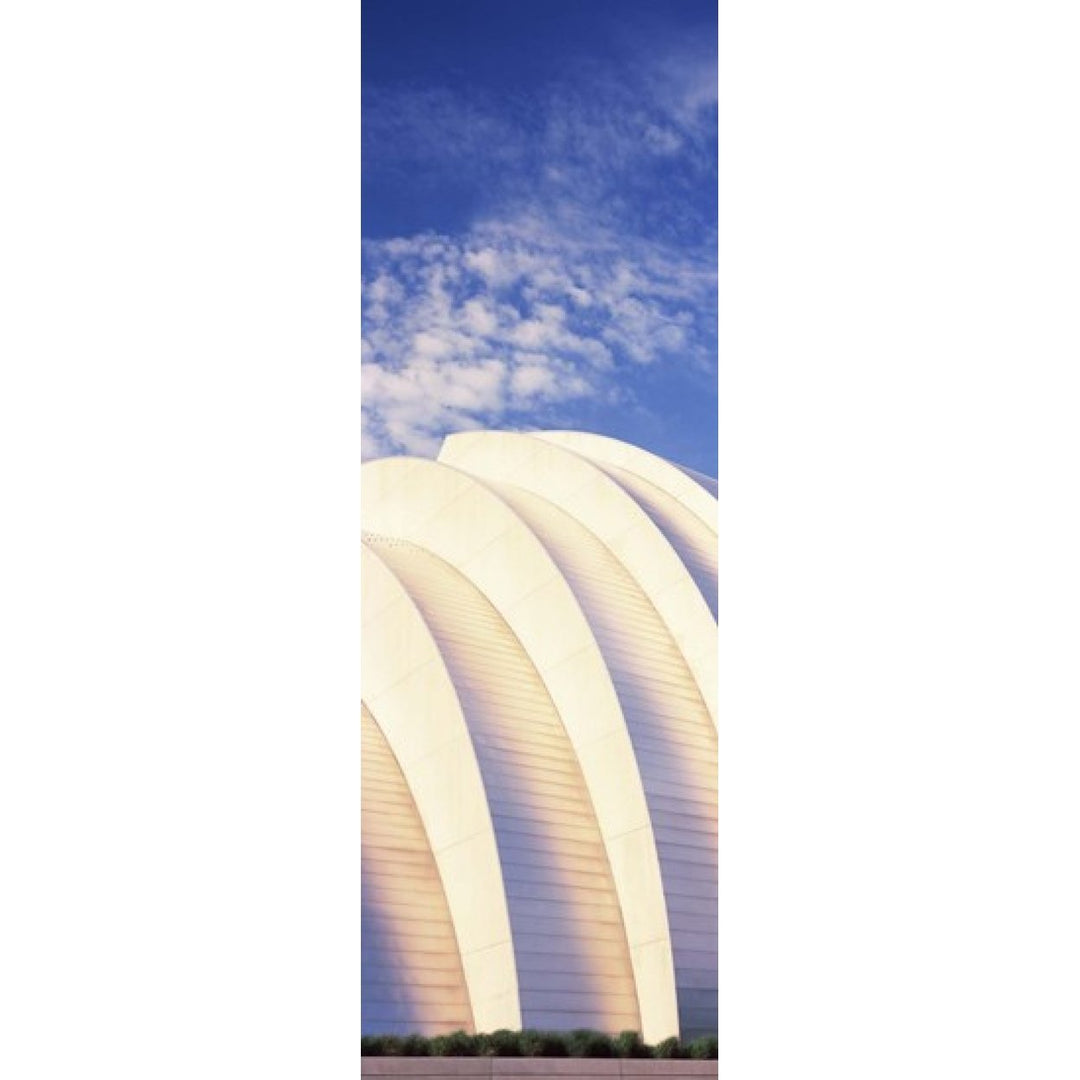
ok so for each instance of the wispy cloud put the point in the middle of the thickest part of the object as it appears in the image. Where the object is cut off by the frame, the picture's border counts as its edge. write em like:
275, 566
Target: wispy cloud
434, 127
590, 259
504, 323
627, 142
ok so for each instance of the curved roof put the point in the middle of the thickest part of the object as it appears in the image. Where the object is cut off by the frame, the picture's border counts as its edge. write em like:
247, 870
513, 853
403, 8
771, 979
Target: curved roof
540, 661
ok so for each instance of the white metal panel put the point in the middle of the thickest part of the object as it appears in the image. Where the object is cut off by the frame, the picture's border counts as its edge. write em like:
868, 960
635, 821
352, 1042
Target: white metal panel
406, 686
660, 699
659, 542
568, 608
473, 530
695, 542
531, 798
675, 480
412, 970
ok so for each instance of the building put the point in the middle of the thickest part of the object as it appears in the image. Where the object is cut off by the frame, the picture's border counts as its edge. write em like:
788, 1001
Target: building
539, 739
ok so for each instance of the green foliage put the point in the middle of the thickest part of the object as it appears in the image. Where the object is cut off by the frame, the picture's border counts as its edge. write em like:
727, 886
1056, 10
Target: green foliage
501, 1043
415, 1046
543, 1044
705, 1047
373, 1045
586, 1043
629, 1044
582, 1043
456, 1044
381, 1045
669, 1048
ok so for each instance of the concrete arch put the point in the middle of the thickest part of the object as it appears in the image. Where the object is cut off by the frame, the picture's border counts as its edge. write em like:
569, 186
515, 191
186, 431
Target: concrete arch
681, 484
406, 685
694, 542
559, 889
673, 736
462, 521
412, 979
656, 557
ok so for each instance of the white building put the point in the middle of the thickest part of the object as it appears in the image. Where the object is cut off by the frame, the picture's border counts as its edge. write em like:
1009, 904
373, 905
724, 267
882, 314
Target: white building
539, 739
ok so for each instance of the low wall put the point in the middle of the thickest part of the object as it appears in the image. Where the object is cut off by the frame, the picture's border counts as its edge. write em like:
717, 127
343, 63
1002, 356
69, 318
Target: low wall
495, 1068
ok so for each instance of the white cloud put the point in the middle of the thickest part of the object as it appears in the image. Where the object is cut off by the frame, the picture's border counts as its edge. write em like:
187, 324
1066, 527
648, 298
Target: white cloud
530, 380
384, 289
478, 317
430, 346
589, 139
592, 266
532, 334
663, 140
485, 262
515, 319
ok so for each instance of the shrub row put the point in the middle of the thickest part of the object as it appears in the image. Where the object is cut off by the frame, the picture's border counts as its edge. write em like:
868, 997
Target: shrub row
532, 1043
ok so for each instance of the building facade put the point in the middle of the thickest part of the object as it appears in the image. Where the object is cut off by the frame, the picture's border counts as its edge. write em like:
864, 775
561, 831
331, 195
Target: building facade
539, 765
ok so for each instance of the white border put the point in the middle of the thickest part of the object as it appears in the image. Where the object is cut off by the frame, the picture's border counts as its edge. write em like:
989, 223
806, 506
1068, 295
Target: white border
900, 587
179, 420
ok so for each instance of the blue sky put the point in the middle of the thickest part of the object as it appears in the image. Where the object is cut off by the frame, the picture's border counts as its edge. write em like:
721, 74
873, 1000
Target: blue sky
539, 221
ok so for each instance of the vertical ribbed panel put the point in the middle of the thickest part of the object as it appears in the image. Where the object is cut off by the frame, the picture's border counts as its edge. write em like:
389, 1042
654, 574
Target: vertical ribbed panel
680, 483
655, 546
572, 958
707, 482
412, 978
539, 637
410, 692
695, 544
673, 737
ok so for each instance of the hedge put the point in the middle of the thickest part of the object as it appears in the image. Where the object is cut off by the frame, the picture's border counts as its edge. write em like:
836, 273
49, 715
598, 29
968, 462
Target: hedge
533, 1043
